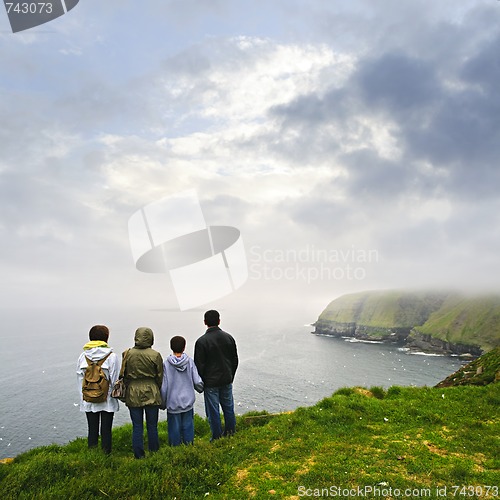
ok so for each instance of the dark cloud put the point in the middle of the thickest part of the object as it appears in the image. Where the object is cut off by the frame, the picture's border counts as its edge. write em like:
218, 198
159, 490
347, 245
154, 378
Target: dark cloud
462, 134
483, 68
463, 130
443, 111
398, 84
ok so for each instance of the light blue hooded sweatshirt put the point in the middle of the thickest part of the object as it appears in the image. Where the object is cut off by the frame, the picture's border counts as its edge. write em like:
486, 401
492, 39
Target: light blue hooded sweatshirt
180, 379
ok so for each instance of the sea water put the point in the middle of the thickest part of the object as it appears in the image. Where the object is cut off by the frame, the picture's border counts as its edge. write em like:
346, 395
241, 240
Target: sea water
282, 365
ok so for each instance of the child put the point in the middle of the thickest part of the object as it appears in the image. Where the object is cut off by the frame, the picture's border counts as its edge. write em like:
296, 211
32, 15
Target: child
180, 379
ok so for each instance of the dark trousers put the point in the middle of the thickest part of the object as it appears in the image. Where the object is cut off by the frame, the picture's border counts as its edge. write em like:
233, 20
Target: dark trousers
104, 419
137, 417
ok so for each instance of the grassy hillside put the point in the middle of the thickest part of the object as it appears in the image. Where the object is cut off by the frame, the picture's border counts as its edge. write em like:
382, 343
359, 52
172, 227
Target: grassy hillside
377, 442
463, 320
482, 371
450, 317
384, 309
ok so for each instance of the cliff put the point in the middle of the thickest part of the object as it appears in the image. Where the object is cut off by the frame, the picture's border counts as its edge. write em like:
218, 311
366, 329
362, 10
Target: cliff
466, 321
482, 371
436, 322
406, 442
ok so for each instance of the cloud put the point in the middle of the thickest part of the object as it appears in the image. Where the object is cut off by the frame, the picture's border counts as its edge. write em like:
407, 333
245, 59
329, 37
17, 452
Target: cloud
340, 124
397, 83
436, 115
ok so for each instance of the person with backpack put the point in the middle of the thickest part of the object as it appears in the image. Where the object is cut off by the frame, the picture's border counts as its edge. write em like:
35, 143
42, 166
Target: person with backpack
143, 375
97, 371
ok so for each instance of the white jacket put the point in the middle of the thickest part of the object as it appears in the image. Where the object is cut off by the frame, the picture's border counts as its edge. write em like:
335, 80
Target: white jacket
111, 369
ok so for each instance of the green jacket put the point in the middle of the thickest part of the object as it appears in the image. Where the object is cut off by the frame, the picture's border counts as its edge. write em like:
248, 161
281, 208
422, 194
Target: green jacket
143, 371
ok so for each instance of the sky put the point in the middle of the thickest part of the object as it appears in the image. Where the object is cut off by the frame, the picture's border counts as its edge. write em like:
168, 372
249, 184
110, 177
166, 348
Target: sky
354, 144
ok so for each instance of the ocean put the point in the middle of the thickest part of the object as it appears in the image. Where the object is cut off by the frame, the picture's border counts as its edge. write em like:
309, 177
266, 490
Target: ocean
282, 365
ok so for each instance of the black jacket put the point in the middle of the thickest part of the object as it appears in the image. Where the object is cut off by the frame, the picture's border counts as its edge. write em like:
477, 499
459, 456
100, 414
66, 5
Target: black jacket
216, 357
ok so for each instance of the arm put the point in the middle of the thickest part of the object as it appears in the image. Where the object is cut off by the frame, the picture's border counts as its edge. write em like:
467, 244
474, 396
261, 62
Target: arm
79, 376
197, 382
164, 389
114, 369
199, 358
159, 370
234, 358
125, 364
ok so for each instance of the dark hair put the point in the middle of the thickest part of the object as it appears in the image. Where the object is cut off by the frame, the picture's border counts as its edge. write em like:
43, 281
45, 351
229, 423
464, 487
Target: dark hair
178, 344
212, 318
99, 332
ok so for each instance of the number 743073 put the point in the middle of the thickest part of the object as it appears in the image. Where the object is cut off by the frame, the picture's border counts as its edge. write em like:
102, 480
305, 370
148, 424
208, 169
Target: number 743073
29, 7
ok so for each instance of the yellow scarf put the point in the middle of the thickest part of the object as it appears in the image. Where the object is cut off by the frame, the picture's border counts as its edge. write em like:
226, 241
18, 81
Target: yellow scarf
94, 343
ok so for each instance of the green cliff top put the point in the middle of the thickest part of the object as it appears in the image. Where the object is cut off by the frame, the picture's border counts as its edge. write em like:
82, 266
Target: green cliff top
447, 316
466, 320
385, 309
482, 371
405, 438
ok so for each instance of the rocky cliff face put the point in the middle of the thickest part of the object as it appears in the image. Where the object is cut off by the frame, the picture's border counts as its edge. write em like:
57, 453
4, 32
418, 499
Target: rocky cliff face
335, 329
361, 332
407, 337
423, 342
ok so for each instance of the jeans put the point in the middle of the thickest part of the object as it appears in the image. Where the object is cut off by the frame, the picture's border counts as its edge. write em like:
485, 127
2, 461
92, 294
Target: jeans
137, 417
180, 428
105, 419
223, 396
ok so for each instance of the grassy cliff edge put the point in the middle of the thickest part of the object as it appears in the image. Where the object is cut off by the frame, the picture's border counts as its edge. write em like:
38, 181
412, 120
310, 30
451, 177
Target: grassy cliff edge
396, 441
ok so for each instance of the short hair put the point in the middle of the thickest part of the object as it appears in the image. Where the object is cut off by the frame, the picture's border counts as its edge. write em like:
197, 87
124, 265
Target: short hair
178, 343
99, 332
212, 318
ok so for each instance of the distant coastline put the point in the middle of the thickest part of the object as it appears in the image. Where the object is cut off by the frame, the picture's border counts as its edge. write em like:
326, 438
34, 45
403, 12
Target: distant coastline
440, 323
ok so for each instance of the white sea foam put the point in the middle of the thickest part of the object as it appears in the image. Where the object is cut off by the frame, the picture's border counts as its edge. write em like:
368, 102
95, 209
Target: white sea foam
421, 353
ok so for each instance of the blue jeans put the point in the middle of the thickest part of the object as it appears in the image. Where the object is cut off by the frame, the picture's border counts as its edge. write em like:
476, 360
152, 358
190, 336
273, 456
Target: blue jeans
223, 396
180, 428
137, 417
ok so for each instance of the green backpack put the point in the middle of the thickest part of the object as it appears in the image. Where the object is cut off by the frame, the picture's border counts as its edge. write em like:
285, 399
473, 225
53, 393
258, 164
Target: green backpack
95, 385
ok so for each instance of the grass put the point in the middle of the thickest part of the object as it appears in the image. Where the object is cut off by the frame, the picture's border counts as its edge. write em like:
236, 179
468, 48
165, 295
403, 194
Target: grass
403, 438
481, 371
464, 320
